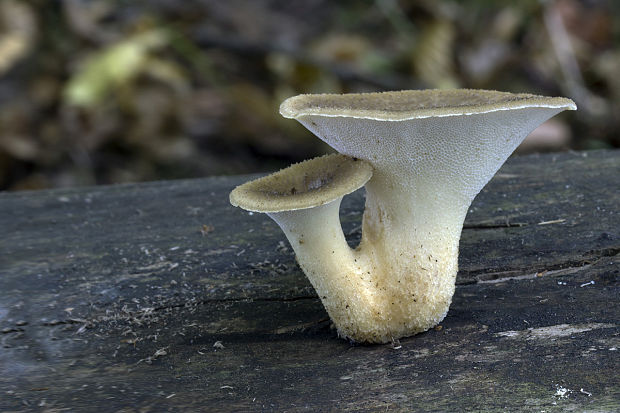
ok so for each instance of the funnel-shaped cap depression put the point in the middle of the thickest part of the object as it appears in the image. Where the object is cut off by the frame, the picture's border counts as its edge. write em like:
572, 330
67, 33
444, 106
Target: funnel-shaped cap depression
454, 140
303, 185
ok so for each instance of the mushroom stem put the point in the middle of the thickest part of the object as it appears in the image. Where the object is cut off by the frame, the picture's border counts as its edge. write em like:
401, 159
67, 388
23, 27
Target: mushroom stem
315, 233
415, 255
391, 285
325, 257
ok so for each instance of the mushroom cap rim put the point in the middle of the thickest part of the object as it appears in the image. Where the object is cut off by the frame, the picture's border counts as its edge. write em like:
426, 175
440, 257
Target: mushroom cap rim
247, 197
527, 101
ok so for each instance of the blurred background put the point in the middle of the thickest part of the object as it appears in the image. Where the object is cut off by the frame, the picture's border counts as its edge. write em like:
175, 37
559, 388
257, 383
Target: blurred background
108, 91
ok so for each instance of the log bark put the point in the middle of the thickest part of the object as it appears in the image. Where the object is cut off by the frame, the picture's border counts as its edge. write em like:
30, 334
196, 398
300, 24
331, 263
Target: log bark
161, 296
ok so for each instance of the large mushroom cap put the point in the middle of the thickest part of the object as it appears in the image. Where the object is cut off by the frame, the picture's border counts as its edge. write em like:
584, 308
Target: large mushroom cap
441, 144
303, 185
415, 104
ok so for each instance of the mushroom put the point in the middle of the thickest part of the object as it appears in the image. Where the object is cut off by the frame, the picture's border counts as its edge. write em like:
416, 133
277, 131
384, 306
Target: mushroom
431, 152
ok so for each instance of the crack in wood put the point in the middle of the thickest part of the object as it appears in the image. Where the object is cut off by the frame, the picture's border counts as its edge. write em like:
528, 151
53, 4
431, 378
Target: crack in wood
588, 260
9, 330
64, 322
495, 225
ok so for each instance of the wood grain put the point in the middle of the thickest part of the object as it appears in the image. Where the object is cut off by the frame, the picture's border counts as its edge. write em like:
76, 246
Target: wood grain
161, 296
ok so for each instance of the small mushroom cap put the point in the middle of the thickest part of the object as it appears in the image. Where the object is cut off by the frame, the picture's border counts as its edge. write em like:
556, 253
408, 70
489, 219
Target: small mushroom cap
415, 104
303, 185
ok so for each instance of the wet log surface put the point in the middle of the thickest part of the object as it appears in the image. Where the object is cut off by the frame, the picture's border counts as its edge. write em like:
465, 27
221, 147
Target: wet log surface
161, 296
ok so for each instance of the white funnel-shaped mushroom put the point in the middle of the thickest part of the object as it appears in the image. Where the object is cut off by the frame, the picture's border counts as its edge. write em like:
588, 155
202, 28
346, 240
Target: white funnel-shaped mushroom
432, 151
